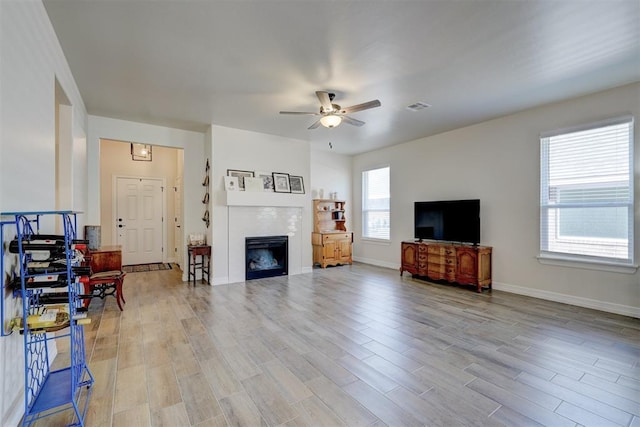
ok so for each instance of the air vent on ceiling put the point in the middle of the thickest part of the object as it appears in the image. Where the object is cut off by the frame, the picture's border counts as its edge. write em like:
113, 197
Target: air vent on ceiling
418, 106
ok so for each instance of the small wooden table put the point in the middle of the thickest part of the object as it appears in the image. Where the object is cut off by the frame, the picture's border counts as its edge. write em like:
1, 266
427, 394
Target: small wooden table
204, 265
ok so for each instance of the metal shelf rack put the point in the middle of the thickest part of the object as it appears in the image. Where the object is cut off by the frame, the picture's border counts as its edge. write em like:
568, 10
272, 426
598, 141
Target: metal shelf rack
48, 391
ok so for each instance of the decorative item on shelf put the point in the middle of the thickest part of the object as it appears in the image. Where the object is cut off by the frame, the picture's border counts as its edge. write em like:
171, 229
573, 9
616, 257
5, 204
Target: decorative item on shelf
241, 176
231, 183
253, 184
321, 193
197, 239
281, 182
140, 152
297, 184
93, 234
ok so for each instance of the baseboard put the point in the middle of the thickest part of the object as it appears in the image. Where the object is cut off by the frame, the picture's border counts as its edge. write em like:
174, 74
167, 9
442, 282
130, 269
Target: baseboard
377, 263
306, 270
220, 280
609, 307
15, 411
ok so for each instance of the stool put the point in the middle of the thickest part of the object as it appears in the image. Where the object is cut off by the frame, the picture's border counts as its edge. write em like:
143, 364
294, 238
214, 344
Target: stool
107, 283
202, 251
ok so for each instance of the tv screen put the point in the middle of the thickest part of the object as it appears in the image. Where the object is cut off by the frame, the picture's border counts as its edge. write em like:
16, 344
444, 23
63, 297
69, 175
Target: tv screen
449, 220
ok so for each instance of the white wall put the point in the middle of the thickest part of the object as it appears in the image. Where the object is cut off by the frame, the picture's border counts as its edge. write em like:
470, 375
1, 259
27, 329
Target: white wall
245, 150
194, 151
498, 162
31, 61
331, 172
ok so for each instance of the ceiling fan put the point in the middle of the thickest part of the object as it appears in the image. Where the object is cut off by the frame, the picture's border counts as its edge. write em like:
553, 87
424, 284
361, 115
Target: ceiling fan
333, 114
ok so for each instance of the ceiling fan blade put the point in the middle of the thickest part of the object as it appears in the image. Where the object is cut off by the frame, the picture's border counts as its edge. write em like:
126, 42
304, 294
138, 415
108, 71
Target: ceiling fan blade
325, 101
364, 106
351, 121
300, 112
315, 124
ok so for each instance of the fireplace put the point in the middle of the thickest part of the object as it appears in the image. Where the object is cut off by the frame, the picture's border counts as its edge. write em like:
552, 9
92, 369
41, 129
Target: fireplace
266, 256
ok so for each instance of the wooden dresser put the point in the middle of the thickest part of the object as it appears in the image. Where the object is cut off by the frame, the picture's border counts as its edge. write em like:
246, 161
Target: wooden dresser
463, 264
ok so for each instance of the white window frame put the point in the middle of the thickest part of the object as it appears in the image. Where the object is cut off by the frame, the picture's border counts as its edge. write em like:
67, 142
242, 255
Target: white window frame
557, 250
366, 209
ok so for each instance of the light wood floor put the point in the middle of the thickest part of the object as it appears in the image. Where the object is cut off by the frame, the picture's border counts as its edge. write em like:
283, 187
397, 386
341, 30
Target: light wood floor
355, 345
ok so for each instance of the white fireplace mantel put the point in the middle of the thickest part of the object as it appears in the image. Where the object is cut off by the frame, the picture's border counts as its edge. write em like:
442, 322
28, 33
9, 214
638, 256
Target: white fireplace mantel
254, 198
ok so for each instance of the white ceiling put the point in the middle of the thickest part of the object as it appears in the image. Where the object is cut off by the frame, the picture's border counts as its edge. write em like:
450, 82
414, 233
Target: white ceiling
188, 64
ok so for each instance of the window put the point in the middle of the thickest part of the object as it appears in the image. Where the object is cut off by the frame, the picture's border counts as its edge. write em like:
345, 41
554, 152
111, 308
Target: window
375, 204
586, 193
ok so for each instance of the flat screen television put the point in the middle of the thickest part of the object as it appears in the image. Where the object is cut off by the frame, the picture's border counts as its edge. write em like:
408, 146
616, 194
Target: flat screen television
449, 220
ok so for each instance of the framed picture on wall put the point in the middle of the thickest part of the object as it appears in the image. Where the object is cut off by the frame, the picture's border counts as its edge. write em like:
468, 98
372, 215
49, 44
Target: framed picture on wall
267, 180
296, 183
241, 175
281, 182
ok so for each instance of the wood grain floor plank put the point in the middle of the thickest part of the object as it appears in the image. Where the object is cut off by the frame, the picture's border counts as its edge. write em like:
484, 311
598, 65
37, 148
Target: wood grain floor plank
288, 385
583, 417
239, 411
220, 377
138, 416
348, 409
265, 395
170, 416
380, 405
131, 389
200, 403
600, 394
628, 393
329, 368
577, 399
313, 412
538, 397
518, 404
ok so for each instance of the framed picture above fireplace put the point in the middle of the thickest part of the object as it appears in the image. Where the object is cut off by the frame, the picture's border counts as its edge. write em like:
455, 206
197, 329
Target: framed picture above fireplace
297, 184
281, 182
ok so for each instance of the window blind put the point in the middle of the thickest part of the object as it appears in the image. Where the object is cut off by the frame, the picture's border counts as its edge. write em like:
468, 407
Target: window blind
586, 192
375, 203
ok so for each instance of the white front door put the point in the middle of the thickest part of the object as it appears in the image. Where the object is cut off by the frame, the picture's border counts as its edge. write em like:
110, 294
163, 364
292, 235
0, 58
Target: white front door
139, 222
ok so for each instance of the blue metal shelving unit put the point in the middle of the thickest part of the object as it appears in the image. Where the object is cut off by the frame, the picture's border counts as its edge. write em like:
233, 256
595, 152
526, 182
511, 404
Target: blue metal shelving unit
49, 392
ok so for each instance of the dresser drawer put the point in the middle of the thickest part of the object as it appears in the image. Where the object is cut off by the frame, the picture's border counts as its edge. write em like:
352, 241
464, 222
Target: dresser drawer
336, 236
442, 260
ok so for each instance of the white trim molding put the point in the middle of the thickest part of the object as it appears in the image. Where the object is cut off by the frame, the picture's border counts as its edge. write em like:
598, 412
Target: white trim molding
624, 310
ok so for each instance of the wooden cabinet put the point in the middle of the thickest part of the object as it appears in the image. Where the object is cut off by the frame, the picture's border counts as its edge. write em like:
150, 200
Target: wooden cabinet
466, 265
332, 248
331, 241
409, 258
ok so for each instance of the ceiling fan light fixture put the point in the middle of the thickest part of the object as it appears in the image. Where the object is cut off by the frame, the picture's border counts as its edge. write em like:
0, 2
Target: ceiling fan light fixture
331, 121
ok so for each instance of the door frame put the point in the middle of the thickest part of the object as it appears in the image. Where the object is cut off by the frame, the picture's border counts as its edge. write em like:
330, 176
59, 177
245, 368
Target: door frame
114, 207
